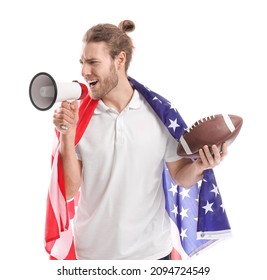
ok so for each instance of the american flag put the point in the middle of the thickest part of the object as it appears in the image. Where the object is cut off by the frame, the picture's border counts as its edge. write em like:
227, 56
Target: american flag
197, 215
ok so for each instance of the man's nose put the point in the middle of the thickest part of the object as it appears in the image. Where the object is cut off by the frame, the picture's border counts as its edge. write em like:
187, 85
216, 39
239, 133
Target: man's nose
86, 70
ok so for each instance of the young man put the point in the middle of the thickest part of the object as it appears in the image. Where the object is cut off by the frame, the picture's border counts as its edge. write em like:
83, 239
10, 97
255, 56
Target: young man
117, 164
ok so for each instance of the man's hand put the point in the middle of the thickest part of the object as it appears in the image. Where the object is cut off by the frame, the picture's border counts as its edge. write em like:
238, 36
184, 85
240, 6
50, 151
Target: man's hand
66, 116
211, 157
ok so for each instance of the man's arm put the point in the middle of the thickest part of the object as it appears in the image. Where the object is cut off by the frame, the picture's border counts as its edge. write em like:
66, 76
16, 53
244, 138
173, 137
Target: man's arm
187, 172
71, 165
67, 114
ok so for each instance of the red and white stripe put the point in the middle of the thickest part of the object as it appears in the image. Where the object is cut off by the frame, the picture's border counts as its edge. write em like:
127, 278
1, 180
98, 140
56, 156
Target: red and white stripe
59, 212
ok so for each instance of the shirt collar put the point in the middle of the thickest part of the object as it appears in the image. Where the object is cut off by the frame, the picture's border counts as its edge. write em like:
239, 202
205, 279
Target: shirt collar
134, 103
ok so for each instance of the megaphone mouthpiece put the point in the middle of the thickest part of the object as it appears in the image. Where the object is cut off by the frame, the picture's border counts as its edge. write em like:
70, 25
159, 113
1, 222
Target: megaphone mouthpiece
45, 91
84, 89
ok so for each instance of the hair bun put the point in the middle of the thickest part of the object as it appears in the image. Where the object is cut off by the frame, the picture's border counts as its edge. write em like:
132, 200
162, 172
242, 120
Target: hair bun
127, 26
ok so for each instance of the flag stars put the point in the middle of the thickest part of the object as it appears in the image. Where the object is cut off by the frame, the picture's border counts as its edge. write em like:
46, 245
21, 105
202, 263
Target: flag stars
208, 207
175, 210
172, 107
173, 189
215, 190
173, 124
157, 99
183, 213
183, 233
222, 206
184, 193
148, 88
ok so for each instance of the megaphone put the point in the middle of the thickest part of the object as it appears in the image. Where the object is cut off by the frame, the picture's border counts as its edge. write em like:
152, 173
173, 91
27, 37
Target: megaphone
45, 91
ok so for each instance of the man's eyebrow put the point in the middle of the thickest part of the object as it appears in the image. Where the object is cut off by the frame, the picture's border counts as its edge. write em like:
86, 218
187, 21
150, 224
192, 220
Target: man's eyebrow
87, 60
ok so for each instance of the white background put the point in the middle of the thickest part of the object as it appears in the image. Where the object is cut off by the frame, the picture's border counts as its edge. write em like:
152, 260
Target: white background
207, 57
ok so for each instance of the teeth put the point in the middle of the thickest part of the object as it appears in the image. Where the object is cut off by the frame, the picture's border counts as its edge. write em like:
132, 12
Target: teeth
92, 83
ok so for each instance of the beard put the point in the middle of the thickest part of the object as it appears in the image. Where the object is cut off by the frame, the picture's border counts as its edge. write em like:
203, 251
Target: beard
105, 85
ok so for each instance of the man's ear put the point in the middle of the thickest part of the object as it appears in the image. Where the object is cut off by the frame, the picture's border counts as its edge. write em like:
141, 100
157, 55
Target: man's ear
121, 59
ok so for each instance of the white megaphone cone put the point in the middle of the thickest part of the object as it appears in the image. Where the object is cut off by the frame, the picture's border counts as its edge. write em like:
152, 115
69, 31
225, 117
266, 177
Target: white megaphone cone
45, 91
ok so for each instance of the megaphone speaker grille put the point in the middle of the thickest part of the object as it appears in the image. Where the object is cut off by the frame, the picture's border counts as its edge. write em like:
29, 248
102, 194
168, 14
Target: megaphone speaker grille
43, 91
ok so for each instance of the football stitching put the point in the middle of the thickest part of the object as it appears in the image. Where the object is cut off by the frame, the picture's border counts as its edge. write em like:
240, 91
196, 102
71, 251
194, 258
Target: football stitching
228, 122
200, 121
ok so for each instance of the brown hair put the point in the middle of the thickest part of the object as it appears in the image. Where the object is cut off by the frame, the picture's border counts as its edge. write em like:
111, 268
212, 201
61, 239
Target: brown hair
115, 37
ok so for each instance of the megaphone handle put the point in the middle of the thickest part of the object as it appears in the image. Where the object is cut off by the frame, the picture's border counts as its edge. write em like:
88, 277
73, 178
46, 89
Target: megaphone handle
64, 127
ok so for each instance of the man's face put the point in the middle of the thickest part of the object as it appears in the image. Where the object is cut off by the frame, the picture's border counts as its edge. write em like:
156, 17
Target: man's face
98, 69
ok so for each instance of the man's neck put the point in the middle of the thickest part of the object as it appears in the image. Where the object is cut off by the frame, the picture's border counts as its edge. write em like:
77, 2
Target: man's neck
120, 96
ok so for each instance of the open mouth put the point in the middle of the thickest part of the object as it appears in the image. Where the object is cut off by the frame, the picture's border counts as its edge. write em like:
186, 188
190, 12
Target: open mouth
92, 83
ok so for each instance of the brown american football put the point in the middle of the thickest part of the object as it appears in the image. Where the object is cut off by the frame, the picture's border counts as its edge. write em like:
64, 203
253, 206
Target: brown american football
215, 129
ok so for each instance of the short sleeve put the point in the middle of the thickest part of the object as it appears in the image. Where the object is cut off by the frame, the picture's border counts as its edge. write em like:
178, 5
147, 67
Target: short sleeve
171, 150
78, 154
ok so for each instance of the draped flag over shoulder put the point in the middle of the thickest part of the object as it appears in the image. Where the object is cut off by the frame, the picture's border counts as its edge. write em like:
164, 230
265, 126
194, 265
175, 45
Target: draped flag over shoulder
59, 241
197, 215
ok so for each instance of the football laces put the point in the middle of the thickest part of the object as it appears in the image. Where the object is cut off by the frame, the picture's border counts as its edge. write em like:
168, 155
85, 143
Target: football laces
200, 121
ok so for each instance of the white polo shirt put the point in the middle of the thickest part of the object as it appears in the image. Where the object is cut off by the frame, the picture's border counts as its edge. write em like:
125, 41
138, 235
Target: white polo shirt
121, 213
